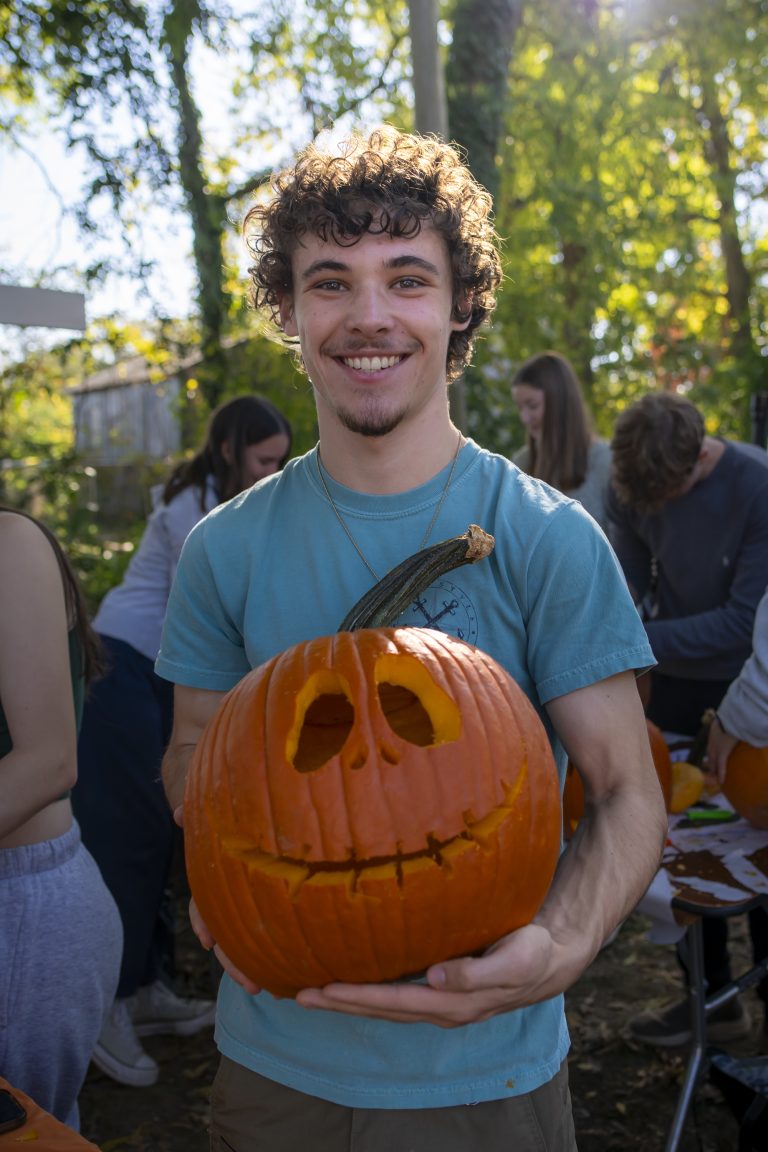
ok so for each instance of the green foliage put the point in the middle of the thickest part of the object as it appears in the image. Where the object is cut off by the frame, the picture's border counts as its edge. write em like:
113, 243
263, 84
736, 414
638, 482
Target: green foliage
631, 173
632, 169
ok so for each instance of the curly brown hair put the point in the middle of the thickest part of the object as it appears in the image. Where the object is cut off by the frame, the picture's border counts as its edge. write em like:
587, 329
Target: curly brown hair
656, 443
389, 182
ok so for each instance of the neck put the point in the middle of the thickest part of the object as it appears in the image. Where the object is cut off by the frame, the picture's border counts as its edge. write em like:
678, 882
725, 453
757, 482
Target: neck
385, 465
709, 457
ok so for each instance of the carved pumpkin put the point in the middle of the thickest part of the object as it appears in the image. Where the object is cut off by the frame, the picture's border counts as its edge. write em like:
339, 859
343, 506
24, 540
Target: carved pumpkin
573, 790
369, 803
746, 783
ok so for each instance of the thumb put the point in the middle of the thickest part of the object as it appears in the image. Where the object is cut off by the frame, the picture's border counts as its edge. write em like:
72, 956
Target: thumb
463, 975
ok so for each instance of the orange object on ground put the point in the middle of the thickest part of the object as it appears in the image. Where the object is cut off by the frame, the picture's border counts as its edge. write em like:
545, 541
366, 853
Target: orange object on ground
41, 1130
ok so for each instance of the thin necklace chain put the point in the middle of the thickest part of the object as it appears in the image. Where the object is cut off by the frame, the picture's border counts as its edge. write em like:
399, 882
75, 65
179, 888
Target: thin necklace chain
348, 530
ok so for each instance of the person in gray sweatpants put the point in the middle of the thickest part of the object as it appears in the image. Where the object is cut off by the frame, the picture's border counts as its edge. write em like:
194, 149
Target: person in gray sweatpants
60, 930
61, 941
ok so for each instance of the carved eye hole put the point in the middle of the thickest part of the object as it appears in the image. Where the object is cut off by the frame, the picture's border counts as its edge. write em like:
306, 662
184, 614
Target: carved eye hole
324, 718
327, 723
406, 715
416, 708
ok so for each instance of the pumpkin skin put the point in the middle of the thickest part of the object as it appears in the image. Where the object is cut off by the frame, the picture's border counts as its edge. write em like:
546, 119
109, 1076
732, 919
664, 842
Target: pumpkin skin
366, 804
746, 783
573, 790
662, 760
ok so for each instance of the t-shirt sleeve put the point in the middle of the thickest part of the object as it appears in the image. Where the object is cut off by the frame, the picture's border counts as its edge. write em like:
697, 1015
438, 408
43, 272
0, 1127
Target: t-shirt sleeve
201, 646
582, 624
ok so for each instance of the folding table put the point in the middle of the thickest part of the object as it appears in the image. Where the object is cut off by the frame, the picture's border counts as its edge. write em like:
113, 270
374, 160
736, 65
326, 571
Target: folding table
713, 870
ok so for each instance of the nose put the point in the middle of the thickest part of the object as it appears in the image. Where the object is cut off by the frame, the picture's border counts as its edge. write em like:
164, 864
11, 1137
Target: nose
370, 310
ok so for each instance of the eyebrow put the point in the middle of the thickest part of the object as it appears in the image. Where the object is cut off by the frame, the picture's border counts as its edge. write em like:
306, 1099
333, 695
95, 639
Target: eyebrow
407, 260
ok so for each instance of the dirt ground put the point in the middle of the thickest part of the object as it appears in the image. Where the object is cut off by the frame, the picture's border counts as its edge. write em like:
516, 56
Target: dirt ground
623, 1094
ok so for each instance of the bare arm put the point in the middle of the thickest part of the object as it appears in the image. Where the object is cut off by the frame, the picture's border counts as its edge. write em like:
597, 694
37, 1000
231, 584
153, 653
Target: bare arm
617, 847
192, 709
35, 678
602, 874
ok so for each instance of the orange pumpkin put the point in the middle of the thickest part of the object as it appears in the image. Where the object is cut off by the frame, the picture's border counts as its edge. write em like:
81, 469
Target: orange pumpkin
369, 803
573, 789
662, 760
746, 783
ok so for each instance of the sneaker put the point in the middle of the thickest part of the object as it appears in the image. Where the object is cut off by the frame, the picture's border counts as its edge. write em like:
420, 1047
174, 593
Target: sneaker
671, 1028
118, 1052
156, 1010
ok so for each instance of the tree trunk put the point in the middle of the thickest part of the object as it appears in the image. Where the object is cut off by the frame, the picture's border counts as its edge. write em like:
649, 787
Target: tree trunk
207, 212
428, 79
738, 281
477, 80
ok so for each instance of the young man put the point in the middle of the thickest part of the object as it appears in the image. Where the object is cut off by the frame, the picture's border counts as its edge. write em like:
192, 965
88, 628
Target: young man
688, 518
381, 263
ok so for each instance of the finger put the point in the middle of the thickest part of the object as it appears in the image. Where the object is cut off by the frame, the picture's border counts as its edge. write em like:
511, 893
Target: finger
199, 927
235, 973
402, 1003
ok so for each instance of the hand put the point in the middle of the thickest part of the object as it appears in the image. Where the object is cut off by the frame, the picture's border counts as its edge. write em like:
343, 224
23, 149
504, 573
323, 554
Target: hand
720, 744
464, 991
200, 929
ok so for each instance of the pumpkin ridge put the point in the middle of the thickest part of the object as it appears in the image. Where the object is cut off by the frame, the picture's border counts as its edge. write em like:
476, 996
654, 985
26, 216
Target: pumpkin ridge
380, 803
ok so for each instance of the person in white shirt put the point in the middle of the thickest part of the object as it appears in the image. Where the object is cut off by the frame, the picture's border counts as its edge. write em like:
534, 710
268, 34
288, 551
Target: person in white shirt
119, 801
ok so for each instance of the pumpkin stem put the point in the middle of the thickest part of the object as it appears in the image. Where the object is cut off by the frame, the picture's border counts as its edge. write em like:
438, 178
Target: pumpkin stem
384, 602
699, 745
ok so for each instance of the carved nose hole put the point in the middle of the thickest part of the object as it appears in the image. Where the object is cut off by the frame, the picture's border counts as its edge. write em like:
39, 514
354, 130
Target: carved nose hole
327, 724
406, 715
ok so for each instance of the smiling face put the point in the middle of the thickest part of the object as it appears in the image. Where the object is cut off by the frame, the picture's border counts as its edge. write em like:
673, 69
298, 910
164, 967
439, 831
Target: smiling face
365, 804
531, 404
373, 319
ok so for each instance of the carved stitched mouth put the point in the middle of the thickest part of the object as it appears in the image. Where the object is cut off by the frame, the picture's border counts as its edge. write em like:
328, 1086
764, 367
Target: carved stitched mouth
351, 871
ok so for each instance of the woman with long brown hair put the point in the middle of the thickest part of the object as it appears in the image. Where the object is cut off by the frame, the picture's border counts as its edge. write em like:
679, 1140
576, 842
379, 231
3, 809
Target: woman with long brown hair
560, 447
119, 801
60, 931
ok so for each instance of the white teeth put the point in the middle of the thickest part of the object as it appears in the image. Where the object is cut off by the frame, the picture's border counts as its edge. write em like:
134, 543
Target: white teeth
371, 363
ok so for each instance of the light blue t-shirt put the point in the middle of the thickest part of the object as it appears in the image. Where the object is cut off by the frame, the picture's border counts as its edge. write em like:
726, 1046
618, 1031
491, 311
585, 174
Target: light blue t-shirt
273, 567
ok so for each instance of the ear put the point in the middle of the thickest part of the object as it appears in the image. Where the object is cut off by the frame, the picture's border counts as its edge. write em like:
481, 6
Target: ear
226, 451
461, 316
288, 316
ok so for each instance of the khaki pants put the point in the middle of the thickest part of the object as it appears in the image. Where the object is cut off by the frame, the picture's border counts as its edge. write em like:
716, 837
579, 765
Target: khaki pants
252, 1114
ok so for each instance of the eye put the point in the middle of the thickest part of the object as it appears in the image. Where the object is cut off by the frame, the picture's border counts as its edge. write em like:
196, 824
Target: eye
409, 282
327, 724
406, 715
328, 286
415, 707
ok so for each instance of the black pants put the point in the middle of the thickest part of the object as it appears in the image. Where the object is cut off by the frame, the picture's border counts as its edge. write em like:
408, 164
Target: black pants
119, 802
677, 706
